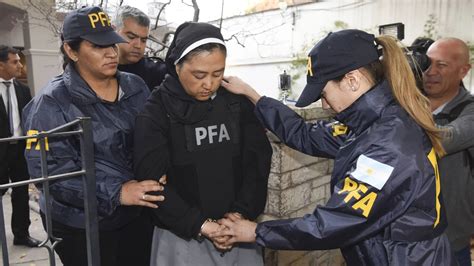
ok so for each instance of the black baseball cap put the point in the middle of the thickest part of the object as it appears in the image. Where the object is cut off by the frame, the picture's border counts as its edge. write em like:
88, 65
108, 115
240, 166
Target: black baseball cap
335, 55
92, 24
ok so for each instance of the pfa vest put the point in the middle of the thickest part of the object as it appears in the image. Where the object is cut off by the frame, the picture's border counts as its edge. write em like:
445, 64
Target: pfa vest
205, 157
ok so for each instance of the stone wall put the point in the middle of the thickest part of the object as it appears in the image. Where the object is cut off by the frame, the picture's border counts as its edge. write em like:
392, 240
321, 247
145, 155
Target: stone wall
297, 184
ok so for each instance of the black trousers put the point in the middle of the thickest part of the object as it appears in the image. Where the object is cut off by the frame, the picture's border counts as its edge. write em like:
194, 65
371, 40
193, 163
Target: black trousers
13, 167
129, 245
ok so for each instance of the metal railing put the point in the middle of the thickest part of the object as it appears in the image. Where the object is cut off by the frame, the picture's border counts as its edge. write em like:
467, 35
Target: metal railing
87, 172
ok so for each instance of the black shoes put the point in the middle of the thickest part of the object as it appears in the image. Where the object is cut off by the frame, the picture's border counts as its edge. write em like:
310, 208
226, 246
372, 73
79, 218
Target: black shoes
26, 241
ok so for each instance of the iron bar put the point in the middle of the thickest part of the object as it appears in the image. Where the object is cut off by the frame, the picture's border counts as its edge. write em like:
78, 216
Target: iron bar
89, 184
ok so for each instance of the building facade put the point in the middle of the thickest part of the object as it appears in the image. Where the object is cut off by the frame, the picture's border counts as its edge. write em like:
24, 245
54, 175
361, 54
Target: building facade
31, 27
262, 45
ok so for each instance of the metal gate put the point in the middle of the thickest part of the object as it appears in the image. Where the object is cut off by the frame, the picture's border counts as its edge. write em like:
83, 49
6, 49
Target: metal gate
82, 128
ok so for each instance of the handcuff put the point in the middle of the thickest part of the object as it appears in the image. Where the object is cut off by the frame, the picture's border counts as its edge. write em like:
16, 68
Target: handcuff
200, 237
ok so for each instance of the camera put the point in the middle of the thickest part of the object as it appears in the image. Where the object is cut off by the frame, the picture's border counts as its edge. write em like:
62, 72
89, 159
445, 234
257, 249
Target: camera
416, 52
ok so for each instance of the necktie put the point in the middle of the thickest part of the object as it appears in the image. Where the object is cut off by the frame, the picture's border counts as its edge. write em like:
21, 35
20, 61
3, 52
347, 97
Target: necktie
9, 106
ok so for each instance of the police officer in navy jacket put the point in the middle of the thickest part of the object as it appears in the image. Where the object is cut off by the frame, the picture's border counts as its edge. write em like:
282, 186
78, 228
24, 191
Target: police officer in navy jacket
386, 206
92, 87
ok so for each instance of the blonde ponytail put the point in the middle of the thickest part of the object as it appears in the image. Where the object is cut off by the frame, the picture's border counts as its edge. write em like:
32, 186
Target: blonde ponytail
403, 84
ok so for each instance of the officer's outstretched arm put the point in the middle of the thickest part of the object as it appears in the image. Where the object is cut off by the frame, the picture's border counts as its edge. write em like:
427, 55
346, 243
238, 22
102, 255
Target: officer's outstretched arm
322, 138
380, 187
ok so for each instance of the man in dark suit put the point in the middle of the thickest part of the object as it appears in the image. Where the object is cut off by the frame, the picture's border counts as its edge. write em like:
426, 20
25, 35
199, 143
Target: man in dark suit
13, 97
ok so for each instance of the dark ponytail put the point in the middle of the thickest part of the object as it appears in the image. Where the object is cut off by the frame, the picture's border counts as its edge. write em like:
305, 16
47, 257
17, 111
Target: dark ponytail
74, 44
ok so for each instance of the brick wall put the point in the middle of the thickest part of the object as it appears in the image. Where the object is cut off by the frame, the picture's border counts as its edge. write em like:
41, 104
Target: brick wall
297, 184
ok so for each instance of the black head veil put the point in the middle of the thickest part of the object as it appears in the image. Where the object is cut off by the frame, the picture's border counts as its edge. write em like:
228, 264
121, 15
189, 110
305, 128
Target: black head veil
189, 35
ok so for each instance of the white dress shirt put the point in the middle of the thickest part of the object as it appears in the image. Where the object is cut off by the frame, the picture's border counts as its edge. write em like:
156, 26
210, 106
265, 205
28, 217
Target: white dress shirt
14, 103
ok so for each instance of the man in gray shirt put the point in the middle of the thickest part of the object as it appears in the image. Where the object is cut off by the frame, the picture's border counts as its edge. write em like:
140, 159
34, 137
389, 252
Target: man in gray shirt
453, 110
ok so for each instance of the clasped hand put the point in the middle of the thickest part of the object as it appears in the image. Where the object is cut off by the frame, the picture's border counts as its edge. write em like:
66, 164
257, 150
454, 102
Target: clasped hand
231, 229
136, 193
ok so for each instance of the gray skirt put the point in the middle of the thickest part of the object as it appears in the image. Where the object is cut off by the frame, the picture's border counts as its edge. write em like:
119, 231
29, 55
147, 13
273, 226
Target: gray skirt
171, 250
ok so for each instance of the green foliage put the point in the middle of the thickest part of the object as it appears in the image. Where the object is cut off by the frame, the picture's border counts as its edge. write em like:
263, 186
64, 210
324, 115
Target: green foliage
430, 31
339, 24
471, 52
430, 27
297, 67
250, 10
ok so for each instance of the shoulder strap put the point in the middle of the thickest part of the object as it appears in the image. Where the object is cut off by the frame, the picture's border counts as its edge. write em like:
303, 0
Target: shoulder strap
456, 111
233, 102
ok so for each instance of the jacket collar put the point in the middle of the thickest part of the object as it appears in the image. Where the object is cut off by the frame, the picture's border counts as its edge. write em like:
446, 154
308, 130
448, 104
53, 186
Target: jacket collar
172, 86
368, 108
181, 106
10, 80
82, 94
462, 95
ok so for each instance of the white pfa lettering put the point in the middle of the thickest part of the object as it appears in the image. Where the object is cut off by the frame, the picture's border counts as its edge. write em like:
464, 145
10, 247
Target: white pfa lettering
201, 134
223, 133
211, 133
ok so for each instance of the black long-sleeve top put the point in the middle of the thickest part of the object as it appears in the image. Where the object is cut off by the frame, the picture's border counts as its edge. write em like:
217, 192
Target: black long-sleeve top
199, 184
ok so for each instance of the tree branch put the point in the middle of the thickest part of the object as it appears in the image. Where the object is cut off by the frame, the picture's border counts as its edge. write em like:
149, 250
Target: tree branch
233, 36
222, 14
152, 38
159, 14
46, 13
190, 5
196, 11
257, 33
195, 6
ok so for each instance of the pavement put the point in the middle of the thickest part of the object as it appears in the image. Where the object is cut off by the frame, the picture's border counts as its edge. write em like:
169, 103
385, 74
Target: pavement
21, 255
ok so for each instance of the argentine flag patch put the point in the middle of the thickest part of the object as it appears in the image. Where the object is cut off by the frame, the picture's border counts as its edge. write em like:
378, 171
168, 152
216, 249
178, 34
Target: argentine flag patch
372, 172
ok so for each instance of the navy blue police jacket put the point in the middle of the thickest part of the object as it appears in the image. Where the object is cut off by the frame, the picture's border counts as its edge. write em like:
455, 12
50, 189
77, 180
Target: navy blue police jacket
385, 207
63, 100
